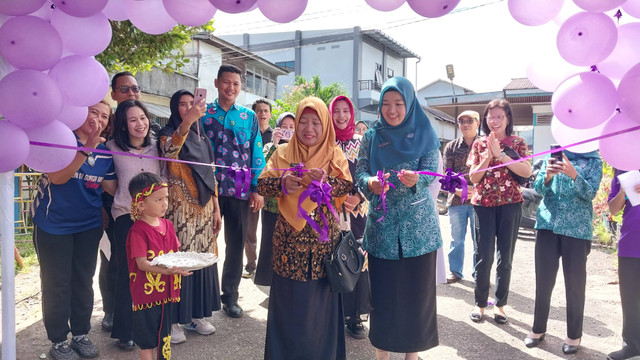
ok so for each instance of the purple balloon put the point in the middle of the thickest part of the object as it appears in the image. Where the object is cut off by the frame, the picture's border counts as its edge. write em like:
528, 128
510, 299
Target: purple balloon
19, 7
632, 7
50, 159
629, 93
565, 135
190, 12
584, 100
28, 42
625, 54
384, 5
587, 38
115, 10
149, 16
233, 6
282, 11
73, 116
534, 12
14, 146
548, 69
82, 36
45, 11
433, 8
598, 5
80, 8
620, 151
82, 80
29, 98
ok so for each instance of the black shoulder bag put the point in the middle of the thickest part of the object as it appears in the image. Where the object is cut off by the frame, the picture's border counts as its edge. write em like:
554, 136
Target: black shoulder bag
344, 265
514, 155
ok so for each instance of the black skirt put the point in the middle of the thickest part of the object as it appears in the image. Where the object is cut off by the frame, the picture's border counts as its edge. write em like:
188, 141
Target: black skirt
305, 321
199, 296
403, 299
264, 270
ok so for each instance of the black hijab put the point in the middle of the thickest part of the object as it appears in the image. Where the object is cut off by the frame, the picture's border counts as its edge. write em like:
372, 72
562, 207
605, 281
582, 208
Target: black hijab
197, 149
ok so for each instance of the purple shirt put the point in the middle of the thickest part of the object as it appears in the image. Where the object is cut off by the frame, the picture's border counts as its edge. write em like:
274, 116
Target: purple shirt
629, 244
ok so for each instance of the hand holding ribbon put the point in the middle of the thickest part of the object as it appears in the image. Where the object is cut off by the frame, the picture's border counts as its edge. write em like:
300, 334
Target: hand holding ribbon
320, 193
242, 176
384, 184
298, 169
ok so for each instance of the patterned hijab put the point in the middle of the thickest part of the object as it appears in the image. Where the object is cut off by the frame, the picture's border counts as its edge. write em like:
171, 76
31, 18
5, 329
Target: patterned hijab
412, 139
324, 155
346, 133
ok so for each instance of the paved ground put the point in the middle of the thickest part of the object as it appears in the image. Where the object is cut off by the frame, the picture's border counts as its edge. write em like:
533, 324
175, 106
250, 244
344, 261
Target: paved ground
459, 337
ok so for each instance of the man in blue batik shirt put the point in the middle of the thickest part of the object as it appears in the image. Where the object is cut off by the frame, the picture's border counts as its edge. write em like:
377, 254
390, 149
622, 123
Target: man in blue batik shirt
235, 136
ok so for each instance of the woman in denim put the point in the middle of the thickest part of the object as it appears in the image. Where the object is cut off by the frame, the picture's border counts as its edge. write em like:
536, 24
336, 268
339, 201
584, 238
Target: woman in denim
565, 230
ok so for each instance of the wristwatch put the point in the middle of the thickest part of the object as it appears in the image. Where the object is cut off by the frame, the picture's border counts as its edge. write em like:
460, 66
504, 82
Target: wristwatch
87, 154
502, 155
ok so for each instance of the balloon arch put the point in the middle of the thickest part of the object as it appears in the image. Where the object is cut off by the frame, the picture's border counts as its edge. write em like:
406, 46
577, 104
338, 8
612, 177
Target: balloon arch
50, 75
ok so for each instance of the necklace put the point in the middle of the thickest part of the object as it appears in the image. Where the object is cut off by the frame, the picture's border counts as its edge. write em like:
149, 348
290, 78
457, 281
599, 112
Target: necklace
91, 160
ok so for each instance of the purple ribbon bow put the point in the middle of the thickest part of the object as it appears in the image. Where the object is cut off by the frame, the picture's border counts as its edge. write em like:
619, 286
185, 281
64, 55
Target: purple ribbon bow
320, 193
242, 177
383, 194
451, 181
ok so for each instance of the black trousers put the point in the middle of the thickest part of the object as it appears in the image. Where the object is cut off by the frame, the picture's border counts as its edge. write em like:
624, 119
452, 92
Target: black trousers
251, 240
549, 248
107, 276
496, 231
122, 310
234, 213
67, 265
264, 270
628, 271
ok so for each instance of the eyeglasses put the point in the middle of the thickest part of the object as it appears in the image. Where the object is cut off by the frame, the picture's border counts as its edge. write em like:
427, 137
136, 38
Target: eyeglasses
498, 118
125, 89
466, 122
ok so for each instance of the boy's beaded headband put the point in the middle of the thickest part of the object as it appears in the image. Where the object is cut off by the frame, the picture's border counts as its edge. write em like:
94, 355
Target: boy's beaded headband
148, 191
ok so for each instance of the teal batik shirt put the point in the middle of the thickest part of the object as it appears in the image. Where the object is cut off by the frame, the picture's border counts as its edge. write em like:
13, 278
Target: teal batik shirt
566, 207
411, 221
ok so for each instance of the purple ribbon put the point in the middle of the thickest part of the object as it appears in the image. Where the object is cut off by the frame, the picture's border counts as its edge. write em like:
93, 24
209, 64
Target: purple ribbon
451, 181
242, 179
383, 194
320, 193
298, 169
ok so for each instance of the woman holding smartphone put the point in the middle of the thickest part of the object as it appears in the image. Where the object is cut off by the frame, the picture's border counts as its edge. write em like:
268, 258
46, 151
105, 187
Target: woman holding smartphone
565, 230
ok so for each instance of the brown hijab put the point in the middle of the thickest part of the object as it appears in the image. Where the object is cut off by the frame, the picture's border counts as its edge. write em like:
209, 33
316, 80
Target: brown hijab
323, 155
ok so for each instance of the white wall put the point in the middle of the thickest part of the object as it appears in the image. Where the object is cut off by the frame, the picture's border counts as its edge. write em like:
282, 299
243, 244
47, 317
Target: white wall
332, 61
210, 61
542, 139
371, 56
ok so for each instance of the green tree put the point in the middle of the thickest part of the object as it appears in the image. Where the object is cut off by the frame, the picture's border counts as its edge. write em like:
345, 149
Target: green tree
300, 89
133, 50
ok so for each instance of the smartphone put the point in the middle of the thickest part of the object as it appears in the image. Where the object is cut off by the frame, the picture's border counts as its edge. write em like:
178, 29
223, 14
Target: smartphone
198, 94
287, 133
556, 156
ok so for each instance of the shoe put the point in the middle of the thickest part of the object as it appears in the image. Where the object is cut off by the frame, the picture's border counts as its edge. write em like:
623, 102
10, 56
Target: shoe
126, 345
201, 326
356, 331
248, 273
177, 334
500, 319
107, 322
476, 316
624, 354
531, 342
84, 347
570, 349
452, 278
62, 351
233, 310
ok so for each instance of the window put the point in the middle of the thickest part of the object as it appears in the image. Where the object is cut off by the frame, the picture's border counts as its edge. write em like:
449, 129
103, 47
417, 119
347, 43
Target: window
390, 73
250, 81
378, 75
288, 65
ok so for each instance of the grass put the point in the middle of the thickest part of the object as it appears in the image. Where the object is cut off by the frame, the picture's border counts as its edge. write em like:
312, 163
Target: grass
27, 252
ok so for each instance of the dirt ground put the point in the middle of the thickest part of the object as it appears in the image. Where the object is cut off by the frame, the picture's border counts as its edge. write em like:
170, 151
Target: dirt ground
460, 338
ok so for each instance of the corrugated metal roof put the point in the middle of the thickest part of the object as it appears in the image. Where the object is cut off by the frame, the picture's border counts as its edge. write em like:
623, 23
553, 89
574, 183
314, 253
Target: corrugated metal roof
389, 42
520, 84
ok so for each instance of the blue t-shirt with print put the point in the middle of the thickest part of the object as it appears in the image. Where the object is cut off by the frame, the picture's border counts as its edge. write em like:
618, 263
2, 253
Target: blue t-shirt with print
236, 140
76, 205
